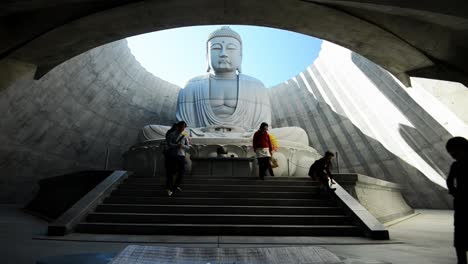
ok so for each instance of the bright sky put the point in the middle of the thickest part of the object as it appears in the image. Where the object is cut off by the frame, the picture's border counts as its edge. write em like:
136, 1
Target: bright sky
270, 55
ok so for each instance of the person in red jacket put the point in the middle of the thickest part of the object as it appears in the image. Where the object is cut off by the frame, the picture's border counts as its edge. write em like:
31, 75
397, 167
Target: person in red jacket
263, 148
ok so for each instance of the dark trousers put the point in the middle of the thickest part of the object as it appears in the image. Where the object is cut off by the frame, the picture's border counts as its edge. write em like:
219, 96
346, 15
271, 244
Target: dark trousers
263, 166
323, 179
461, 255
270, 169
168, 164
461, 229
174, 165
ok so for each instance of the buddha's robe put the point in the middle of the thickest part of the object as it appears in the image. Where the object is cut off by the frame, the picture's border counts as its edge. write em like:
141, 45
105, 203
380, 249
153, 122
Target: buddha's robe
253, 105
253, 108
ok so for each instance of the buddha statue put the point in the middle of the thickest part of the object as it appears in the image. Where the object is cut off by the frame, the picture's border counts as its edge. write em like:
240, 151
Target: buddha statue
225, 107
224, 102
224, 99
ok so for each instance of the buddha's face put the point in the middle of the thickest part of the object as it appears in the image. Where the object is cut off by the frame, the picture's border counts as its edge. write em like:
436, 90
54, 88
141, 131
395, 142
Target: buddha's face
224, 54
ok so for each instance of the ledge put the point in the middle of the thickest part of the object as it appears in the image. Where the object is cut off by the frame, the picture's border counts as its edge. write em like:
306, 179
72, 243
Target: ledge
381, 198
226, 166
221, 159
366, 221
68, 220
346, 178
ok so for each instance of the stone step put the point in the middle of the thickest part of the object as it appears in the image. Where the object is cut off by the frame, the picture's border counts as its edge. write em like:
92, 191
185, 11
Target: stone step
223, 209
213, 187
217, 194
218, 201
235, 178
230, 219
280, 206
251, 182
216, 229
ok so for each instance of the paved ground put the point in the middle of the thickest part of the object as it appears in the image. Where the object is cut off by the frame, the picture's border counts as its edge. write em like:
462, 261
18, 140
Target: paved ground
425, 238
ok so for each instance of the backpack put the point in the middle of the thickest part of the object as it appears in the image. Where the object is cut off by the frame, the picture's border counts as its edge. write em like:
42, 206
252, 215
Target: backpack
312, 169
316, 167
167, 151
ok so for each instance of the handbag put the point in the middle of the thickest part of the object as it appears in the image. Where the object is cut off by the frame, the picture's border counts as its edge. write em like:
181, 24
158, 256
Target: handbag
274, 162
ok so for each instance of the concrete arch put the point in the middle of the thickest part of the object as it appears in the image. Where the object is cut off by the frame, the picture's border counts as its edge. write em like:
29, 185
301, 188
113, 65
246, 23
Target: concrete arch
377, 32
66, 120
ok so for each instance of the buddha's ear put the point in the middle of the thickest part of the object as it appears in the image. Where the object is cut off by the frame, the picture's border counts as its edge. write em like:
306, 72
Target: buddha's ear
207, 59
239, 69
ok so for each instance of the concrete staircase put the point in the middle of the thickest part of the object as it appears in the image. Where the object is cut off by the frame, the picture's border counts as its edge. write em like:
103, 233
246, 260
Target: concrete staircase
277, 206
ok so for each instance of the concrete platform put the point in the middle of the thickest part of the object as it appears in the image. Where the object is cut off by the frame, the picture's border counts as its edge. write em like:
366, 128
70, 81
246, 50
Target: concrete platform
425, 238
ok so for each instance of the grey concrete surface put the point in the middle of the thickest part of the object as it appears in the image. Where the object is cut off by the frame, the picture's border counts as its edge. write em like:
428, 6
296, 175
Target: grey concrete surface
67, 121
373, 193
423, 239
350, 105
427, 239
424, 39
452, 94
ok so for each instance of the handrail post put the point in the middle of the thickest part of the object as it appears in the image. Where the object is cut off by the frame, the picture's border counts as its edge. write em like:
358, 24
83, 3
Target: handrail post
107, 159
337, 163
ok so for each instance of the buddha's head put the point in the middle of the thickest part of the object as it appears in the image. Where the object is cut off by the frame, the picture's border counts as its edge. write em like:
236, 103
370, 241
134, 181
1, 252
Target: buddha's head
224, 51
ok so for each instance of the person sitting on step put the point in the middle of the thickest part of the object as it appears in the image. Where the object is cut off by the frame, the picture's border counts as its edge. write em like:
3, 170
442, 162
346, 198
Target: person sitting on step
320, 171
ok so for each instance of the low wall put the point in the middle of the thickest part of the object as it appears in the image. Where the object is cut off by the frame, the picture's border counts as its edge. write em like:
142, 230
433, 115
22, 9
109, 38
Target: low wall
227, 167
382, 199
146, 158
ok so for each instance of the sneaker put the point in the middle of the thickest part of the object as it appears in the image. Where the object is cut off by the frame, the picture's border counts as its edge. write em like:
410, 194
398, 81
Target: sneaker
169, 192
179, 189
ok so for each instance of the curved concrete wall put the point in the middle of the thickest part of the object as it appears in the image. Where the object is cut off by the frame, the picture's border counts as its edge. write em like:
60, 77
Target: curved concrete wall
68, 119
408, 38
349, 105
452, 95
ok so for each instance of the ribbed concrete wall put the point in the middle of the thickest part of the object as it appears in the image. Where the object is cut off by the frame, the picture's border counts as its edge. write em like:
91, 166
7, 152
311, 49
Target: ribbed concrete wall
349, 105
101, 99
68, 119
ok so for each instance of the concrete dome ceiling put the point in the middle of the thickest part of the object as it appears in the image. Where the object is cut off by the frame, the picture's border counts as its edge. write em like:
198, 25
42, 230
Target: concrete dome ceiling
408, 39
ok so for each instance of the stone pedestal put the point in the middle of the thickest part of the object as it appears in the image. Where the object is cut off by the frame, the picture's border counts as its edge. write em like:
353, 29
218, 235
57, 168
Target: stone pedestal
294, 159
223, 167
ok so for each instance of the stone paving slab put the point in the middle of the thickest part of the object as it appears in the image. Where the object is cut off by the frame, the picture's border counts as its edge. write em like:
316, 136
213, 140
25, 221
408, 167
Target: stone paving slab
134, 254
